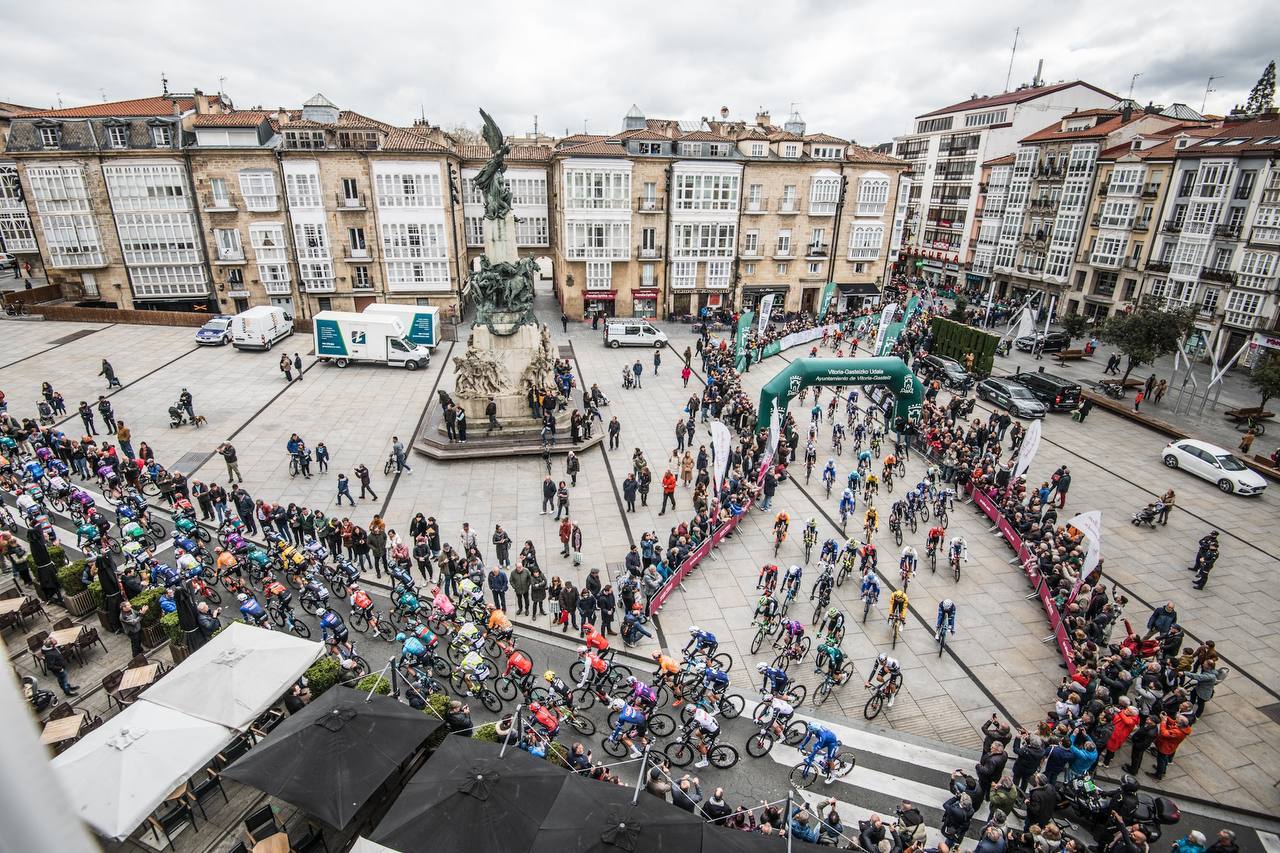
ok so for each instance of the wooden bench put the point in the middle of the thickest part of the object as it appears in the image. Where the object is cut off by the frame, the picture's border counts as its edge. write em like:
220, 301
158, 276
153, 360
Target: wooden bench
1243, 419
1066, 355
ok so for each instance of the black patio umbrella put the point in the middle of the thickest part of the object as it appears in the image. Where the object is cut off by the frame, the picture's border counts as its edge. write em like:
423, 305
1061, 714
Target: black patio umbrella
46, 574
111, 596
467, 798
188, 620
595, 817
722, 839
331, 756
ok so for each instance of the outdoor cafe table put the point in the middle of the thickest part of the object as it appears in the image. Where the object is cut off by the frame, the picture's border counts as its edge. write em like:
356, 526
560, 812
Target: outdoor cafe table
63, 728
140, 676
67, 636
278, 843
12, 605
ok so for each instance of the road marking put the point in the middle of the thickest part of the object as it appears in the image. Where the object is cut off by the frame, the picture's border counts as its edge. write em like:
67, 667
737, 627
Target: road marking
1270, 841
873, 780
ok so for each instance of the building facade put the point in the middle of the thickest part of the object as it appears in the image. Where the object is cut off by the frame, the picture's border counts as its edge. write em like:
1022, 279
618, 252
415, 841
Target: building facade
946, 148
671, 217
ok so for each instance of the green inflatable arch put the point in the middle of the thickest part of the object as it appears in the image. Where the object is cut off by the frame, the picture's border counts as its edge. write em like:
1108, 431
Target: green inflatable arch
890, 372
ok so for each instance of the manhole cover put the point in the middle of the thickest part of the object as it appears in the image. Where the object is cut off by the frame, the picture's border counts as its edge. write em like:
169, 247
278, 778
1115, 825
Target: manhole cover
74, 336
189, 462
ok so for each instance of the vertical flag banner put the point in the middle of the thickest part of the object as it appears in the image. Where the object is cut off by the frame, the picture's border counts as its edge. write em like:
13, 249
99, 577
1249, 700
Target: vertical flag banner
766, 309
721, 446
1027, 452
828, 293
886, 317
1090, 524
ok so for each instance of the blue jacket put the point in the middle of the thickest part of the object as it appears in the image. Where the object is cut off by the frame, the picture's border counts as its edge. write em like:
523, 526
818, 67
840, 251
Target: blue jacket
498, 581
1082, 759
805, 832
1057, 760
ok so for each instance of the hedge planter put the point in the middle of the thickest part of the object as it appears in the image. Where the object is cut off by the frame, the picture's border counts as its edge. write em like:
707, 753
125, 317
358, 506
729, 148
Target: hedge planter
103, 620
178, 653
153, 635
80, 603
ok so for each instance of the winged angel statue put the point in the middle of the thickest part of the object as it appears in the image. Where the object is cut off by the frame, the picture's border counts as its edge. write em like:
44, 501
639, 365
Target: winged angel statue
490, 180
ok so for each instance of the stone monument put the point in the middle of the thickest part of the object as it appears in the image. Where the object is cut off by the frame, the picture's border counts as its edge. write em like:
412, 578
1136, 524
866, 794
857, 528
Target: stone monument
507, 352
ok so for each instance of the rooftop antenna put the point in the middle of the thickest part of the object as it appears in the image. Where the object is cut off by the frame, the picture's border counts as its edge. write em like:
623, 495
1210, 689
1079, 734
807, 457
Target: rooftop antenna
1208, 87
103, 93
535, 124
164, 83
1132, 80
1009, 76
59, 94
222, 85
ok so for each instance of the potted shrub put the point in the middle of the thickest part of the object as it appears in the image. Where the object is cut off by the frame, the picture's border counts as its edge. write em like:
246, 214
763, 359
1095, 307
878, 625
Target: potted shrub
177, 637
487, 732
152, 633
323, 674
375, 682
75, 595
100, 603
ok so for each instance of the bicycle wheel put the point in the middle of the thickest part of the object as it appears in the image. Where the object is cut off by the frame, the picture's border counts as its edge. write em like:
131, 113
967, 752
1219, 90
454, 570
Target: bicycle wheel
615, 748
723, 755
942, 518
439, 666
866, 609
757, 641
723, 660
804, 774
680, 754
873, 706
955, 569
359, 621
820, 659
582, 698
662, 725
805, 645
845, 761
383, 631
582, 724
490, 700
731, 707
796, 693
897, 534
942, 641
817, 612
901, 468
386, 469
794, 732
300, 628
924, 512
505, 688
575, 671
211, 593
155, 529
202, 534
782, 661
824, 690
458, 683
759, 744
897, 630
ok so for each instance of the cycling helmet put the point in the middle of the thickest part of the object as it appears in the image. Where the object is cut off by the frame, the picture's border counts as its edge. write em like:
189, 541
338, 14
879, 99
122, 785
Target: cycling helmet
178, 552
1128, 784
947, 604
832, 613
631, 679
882, 657
762, 667
813, 728
617, 704
693, 629
218, 550
813, 522
242, 597
582, 650
320, 611
549, 675
657, 655
400, 638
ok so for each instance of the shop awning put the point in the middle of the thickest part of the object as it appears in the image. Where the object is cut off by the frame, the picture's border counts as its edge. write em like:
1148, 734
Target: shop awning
644, 293
599, 296
858, 289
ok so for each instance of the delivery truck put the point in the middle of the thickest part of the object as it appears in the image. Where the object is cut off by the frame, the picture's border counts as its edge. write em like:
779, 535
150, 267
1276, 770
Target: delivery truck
260, 327
421, 322
345, 337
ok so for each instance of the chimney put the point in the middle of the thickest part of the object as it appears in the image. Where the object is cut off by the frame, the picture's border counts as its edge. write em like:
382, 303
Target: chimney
1039, 80
282, 115
762, 118
1127, 113
724, 113
177, 109
202, 103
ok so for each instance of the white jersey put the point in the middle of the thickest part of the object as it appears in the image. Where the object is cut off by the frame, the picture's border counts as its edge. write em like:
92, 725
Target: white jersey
782, 708
794, 571
705, 721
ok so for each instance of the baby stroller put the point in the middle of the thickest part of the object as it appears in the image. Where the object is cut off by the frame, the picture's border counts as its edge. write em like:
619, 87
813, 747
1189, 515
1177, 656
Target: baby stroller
176, 417
46, 413
628, 378
39, 698
1148, 515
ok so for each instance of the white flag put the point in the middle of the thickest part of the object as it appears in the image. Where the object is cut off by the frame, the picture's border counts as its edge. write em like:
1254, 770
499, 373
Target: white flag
721, 447
766, 308
1090, 524
1026, 325
1027, 451
886, 318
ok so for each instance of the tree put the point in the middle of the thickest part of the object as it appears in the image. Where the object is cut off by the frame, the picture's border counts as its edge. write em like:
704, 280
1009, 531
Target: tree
1263, 95
1146, 333
957, 313
1265, 378
1075, 325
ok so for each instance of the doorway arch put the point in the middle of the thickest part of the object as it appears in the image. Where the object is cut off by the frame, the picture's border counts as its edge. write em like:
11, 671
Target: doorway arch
891, 372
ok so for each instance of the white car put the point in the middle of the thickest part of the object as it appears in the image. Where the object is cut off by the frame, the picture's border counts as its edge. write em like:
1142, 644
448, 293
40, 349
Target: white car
1215, 465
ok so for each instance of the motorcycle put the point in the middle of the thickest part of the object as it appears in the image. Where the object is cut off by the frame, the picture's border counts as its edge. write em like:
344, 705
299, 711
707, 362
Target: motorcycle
1093, 806
1112, 389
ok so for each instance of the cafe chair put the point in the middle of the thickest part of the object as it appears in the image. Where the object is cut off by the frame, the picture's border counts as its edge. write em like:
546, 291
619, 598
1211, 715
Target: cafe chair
9, 593
10, 620
138, 660
172, 815
31, 607
204, 789
311, 839
233, 750
88, 638
111, 686
261, 824
62, 709
35, 645
63, 623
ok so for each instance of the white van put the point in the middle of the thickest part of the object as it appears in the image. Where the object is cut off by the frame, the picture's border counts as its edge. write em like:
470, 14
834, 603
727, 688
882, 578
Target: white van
344, 338
421, 322
633, 333
260, 327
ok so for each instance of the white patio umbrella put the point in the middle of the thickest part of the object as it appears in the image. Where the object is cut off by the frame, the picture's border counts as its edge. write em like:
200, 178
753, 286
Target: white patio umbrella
117, 774
236, 676
364, 845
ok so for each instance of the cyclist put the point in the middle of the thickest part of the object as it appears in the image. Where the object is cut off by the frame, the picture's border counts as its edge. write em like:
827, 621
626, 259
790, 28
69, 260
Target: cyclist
870, 588
766, 609
835, 660
630, 716
668, 671
830, 550
833, 625
871, 522
792, 580
854, 477
829, 474
780, 524
273, 589
593, 639
864, 460
885, 669
700, 641
792, 634
822, 586
707, 729
188, 565
715, 682
544, 719
933, 539
360, 602
162, 574
520, 664
226, 563
412, 650
593, 669
867, 557
642, 695
500, 626
441, 603
559, 692
331, 621
889, 461
810, 456
810, 534
946, 618
823, 740
872, 486
908, 561
474, 669
837, 437
251, 611
848, 504
776, 680
467, 638
768, 578
959, 550
898, 605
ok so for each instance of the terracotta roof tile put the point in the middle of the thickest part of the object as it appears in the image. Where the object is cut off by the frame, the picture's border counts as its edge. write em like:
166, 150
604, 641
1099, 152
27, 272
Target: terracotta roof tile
239, 118
1006, 160
158, 106
704, 136
1017, 96
1262, 135
860, 154
347, 120
580, 138
825, 137
1055, 132
597, 148
403, 139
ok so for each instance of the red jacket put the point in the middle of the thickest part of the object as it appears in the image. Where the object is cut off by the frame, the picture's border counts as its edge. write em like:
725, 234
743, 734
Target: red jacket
1122, 725
1170, 735
668, 483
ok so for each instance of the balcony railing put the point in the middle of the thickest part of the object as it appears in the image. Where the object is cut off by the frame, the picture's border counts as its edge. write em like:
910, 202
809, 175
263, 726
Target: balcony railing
1222, 276
361, 254
1171, 227
1150, 190
1227, 232
1103, 189
346, 202
645, 204
1157, 266
648, 252
230, 255
816, 250
788, 207
1131, 263
1243, 193
1050, 171
783, 253
1142, 225
1042, 204
209, 204
760, 205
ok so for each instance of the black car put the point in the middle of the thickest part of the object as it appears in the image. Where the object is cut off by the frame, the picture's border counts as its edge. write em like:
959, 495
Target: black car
1053, 342
1008, 394
1058, 394
947, 371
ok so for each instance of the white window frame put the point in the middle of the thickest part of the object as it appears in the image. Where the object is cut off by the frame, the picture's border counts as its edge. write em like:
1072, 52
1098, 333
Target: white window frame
599, 275
684, 275
302, 189
258, 187
473, 227
873, 196
228, 244
118, 136
758, 149
162, 136
50, 137
824, 195
697, 191
865, 242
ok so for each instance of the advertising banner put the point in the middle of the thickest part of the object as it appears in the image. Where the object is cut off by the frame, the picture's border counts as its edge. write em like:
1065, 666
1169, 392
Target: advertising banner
828, 293
721, 446
766, 311
1027, 451
1090, 524
740, 340
886, 317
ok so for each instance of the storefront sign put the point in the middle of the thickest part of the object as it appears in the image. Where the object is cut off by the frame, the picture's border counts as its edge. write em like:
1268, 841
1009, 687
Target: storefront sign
645, 293
599, 295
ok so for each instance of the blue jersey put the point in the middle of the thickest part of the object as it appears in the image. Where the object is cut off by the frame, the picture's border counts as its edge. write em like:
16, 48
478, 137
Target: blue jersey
630, 715
704, 638
824, 738
712, 675
829, 473
251, 608
775, 680
331, 621
871, 586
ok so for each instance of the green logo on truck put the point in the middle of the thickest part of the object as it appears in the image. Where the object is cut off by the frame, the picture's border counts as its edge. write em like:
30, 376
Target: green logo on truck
422, 330
329, 338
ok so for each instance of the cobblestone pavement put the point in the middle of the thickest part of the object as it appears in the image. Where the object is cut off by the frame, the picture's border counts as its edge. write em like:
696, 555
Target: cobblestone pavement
997, 663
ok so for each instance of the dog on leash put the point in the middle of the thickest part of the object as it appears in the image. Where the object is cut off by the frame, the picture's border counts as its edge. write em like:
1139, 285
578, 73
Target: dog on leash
199, 421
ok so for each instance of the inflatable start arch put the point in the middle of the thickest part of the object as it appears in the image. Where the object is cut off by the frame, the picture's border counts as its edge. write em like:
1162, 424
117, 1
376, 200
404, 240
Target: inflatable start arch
890, 372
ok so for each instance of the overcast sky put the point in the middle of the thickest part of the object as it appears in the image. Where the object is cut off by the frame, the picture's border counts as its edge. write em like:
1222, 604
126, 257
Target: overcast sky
856, 69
